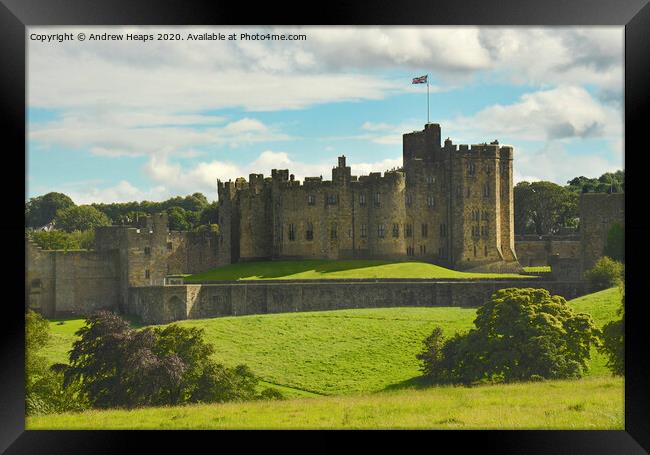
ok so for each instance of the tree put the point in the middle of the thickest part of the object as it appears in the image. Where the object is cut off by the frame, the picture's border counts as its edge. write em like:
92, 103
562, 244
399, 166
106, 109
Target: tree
613, 345
615, 244
61, 240
41, 210
80, 218
44, 391
606, 273
177, 218
520, 334
116, 365
544, 206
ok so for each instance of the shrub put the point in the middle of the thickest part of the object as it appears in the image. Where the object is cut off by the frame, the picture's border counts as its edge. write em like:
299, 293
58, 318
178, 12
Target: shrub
605, 274
44, 391
520, 334
117, 366
613, 345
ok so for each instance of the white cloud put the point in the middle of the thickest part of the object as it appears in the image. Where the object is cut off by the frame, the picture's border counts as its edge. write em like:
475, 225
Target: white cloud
105, 135
554, 163
562, 112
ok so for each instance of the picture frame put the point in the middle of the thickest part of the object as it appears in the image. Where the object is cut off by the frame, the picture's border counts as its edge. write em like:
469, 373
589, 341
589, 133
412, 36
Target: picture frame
634, 15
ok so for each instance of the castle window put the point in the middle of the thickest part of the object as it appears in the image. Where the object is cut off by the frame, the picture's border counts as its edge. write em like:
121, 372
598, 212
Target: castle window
377, 199
485, 250
443, 230
431, 201
409, 200
410, 251
468, 192
147, 251
474, 250
395, 230
332, 199
36, 284
147, 275
381, 231
292, 232
350, 233
409, 231
362, 199
484, 231
333, 233
364, 231
311, 199
425, 230
169, 246
486, 190
309, 235
471, 168
430, 179
485, 216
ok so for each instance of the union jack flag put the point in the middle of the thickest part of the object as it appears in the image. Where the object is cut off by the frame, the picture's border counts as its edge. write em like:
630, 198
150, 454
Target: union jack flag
420, 80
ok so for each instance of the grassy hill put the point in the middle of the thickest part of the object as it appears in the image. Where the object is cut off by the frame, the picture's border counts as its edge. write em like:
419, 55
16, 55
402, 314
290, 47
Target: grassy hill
339, 352
323, 269
595, 403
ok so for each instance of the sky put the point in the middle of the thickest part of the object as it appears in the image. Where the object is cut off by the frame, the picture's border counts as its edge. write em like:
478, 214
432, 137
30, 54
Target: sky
133, 120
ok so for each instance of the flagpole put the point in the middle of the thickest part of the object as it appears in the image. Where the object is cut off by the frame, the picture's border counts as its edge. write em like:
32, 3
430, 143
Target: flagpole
427, 98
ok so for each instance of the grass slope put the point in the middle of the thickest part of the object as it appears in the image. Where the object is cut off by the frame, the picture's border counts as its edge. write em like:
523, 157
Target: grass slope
322, 269
339, 352
595, 403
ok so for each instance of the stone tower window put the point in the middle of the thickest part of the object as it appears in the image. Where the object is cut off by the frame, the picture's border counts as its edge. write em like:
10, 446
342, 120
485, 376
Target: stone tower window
471, 168
409, 200
409, 231
485, 250
147, 274
430, 179
431, 201
333, 233
469, 192
395, 230
474, 250
292, 232
362, 199
486, 190
332, 199
147, 251
36, 284
443, 230
485, 216
364, 230
311, 199
377, 199
309, 235
425, 230
381, 231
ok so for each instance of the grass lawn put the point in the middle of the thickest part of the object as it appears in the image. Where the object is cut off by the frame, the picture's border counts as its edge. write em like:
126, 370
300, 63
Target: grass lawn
593, 403
538, 269
339, 352
322, 269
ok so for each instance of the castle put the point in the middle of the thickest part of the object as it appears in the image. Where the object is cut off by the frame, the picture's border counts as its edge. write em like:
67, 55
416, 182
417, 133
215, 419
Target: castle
449, 204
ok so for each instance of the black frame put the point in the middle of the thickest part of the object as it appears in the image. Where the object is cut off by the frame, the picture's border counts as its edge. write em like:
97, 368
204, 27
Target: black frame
15, 15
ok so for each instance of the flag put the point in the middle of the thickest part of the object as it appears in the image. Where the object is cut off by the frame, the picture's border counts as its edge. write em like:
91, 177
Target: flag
420, 80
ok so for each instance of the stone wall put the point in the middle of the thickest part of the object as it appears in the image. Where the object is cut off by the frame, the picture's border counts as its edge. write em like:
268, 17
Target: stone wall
537, 250
598, 213
71, 282
163, 304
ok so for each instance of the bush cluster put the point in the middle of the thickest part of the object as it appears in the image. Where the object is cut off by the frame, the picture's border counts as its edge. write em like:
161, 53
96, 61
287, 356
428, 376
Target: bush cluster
605, 274
117, 366
520, 334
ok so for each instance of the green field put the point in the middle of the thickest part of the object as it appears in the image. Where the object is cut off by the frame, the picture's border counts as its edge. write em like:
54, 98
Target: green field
538, 269
339, 352
594, 403
322, 269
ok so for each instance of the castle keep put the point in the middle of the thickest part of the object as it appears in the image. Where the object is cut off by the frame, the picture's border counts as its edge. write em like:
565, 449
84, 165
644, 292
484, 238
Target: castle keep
448, 204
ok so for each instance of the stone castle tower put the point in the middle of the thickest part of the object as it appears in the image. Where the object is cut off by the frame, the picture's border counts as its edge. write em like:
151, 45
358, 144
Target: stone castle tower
449, 204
